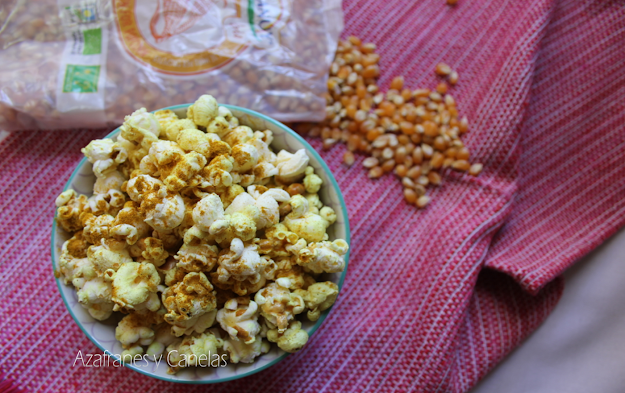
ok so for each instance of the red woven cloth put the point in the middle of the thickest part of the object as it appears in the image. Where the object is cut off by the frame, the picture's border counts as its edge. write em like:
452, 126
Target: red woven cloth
433, 299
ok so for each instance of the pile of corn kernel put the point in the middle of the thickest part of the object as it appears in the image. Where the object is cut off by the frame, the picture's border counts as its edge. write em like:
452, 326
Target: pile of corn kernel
207, 241
413, 133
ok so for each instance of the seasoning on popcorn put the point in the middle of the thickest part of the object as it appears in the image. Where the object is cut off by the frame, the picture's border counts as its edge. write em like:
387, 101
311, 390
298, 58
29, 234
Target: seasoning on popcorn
208, 241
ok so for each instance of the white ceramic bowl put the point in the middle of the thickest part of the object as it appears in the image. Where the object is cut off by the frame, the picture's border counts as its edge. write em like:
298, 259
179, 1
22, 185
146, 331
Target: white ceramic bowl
102, 334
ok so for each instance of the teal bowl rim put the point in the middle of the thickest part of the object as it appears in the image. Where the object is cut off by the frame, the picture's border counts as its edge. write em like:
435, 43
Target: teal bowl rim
310, 150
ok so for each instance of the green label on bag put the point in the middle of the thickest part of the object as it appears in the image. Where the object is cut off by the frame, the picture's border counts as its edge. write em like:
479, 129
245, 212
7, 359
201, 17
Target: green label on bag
93, 41
81, 79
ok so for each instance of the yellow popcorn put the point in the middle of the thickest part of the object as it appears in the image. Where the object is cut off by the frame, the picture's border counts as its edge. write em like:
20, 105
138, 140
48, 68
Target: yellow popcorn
165, 118
95, 296
141, 128
203, 110
278, 305
104, 259
319, 297
192, 234
230, 193
306, 224
267, 204
197, 257
291, 167
245, 157
173, 129
134, 329
149, 249
280, 242
228, 116
73, 262
239, 318
208, 145
291, 340
238, 135
96, 229
324, 256
129, 224
112, 180
292, 275
201, 349
135, 284
240, 352
312, 182
187, 301
110, 202
70, 207
105, 155
242, 269
162, 338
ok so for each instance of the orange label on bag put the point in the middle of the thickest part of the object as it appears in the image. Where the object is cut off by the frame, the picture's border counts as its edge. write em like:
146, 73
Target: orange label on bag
184, 37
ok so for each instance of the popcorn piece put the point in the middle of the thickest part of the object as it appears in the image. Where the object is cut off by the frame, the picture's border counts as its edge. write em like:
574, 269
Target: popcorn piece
312, 182
112, 180
73, 262
162, 338
278, 305
245, 157
110, 202
291, 340
70, 207
239, 318
219, 126
104, 259
175, 168
97, 230
198, 350
208, 145
134, 284
187, 301
95, 296
240, 352
242, 269
291, 275
203, 110
149, 250
217, 173
165, 118
238, 135
228, 116
230, 193
319, 297
267, 204
197, 258
291, 167
174, 128
307, 225
163, 211
324, 256
129, 224
141, 127
208, 211
134, 329
280, 242
105, 155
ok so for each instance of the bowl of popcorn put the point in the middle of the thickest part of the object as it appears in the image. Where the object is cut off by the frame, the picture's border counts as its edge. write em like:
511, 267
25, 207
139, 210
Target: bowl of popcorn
200, 243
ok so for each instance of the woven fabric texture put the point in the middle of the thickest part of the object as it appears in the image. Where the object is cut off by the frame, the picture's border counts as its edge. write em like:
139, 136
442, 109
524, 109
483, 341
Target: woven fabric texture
433, 299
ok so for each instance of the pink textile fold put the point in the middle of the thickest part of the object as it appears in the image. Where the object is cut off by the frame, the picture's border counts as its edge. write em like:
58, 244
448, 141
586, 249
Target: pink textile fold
433, 299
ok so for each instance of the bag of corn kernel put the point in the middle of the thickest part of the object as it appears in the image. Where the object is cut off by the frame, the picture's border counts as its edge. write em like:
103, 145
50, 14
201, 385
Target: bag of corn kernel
88, 63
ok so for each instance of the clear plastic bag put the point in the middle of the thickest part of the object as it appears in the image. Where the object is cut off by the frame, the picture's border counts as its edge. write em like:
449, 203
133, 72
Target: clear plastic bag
88, 63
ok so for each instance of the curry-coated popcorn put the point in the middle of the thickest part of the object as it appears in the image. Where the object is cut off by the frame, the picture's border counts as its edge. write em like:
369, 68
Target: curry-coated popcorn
206, 239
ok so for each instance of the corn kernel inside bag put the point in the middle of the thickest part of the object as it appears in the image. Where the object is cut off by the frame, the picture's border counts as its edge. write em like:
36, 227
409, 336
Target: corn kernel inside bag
88, 63
204, 238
